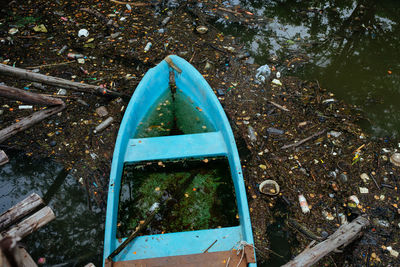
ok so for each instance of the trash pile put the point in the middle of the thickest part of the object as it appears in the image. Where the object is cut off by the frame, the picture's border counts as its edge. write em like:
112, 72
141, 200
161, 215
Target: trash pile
293, 132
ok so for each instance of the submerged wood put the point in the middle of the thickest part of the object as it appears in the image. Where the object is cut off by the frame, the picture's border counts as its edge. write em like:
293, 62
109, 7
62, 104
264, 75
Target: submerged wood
55, 81
346, 234
28, 97
20, 210
28, 121
32, 223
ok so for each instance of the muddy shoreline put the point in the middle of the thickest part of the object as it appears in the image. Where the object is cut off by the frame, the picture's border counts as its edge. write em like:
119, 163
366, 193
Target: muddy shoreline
326, 168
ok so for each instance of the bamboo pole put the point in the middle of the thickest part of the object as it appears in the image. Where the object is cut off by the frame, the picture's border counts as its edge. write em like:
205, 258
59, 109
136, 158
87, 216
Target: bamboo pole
55, 81
28, 97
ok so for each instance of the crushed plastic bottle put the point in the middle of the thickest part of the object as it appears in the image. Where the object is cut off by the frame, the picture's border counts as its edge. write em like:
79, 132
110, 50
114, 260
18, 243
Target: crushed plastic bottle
303, 204
263, 73
252, 134
75, 56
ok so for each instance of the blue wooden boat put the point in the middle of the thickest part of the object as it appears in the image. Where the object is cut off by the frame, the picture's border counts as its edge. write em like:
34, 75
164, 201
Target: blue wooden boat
226, 246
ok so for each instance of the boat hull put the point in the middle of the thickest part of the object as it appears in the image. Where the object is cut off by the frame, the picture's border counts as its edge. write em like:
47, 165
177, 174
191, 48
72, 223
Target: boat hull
219, 142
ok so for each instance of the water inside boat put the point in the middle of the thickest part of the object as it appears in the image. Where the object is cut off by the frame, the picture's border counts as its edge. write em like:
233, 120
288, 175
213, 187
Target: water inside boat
174, 114
202, 192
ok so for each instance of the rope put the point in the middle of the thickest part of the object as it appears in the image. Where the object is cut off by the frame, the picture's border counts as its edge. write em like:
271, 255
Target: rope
239, 246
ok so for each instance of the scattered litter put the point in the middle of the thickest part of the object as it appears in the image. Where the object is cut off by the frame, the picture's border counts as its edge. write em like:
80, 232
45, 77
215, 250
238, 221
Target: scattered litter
363, 190
395, 159
25, 107
277, 82
61, 92
83, 33
201, 29
252, 134
269, 187
354, 199
303, 204
334, 134
13, 31
364, 177
40, 28
147, 47
103, 125
263, 73
102, 111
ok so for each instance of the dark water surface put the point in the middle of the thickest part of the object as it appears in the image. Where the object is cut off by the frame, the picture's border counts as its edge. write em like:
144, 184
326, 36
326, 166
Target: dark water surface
350, 47
75, 237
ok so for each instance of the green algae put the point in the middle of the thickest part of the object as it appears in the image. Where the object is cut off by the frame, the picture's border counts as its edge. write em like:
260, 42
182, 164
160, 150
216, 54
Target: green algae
202, 193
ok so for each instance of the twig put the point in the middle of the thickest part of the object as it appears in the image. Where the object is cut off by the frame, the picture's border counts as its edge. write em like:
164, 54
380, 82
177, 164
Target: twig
191, 59
230, 11
131, 3
205, 251
278, 106
304, 140
375, 182
50, 65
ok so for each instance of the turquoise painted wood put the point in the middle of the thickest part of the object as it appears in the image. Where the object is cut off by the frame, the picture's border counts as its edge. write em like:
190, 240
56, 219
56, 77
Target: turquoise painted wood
130, 150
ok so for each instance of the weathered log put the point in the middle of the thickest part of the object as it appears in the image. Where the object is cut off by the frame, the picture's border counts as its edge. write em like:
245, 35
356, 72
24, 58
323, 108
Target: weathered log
343, 236
20, 210
3, 157
32, 223
28, 97
28, 121
55, 81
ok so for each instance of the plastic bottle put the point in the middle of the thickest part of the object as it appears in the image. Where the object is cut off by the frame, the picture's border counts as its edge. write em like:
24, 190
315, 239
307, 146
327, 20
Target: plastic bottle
252, 134
75, 56
103, 125
147, 47
303, 204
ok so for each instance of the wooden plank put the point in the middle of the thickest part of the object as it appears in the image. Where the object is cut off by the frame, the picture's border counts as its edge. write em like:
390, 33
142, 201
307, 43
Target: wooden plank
343, 236
32, 223
209, 259
23, 258
15, 254
20, 210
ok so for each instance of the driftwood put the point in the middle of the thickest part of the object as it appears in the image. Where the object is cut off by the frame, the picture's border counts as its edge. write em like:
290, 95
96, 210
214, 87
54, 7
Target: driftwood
31, 224
3, 158
346, 234
28, 97
28, 121
55, 81
20, 210
304, 140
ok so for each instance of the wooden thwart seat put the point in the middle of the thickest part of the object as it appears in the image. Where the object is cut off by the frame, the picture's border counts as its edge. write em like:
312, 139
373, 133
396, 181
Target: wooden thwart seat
209, 259
176, 146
